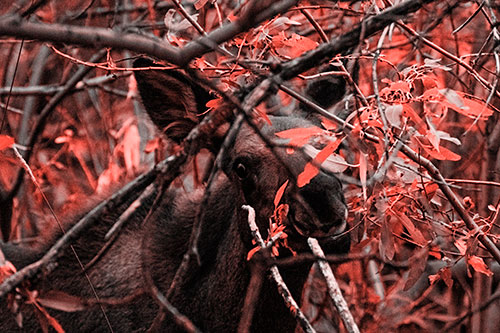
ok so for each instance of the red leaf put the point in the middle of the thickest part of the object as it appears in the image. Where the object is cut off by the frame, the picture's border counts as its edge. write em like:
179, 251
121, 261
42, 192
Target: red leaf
6, 142
400, 85
461, 245
252, 252
310, 171
62, 301
299, 136
215, 103
153, 145
43, 316
444, 154
50, 320
474, 108
329, 124
462, 103
443, 274
435, 252
411, 114
433, 278
294, 45
312, 168
415, 234
279, 194
479, 266
6, 270
131, 149
261, 113
386, 244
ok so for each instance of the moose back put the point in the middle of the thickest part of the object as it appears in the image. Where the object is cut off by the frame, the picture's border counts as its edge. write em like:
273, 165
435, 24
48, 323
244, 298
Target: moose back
212, 295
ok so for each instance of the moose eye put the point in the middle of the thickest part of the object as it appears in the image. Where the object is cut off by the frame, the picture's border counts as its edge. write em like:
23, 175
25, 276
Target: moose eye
241, 170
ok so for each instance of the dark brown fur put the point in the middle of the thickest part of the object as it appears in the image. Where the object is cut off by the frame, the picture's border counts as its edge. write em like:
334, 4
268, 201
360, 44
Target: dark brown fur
213, 294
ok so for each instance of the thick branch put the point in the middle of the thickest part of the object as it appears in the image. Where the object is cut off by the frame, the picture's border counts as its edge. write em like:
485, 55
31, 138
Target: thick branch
99, 37
350, 39
92, 37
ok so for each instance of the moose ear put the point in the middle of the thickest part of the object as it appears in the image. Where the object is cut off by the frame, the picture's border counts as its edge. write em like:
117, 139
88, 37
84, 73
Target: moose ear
172, 100
327, 90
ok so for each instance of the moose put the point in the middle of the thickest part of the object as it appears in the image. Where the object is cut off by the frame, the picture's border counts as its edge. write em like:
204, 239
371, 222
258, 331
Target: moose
212, 296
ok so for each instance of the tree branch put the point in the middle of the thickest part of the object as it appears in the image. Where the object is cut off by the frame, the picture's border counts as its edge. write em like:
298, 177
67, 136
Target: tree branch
348, 40
98, 37
52, 89
91, 37
333, 288
276, 276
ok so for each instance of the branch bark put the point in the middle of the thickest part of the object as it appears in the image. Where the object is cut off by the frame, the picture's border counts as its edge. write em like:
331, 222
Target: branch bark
348, 40
276, 276
98, 37
333, 288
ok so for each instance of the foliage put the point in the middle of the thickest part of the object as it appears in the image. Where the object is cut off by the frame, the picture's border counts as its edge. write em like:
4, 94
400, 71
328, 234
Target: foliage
427, 84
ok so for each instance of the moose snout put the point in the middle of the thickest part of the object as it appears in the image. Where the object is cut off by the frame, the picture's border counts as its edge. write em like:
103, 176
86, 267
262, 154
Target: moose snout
326, 211
335, 227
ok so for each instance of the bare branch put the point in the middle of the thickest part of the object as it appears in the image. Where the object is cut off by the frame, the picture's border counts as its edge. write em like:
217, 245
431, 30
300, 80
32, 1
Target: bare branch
333, 288
99, 37
52, 89
282, 288
348, 40
91, 37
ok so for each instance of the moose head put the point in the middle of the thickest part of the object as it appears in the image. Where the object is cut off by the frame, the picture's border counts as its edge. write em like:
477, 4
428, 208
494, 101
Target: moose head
251, 165
252, 169
254, 166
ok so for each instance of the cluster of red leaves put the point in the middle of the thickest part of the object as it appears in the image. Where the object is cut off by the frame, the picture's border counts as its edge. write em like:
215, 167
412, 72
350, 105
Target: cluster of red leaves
94, 139
276, 235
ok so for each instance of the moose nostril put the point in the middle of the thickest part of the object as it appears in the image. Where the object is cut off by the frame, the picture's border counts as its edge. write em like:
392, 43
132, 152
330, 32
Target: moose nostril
326, 228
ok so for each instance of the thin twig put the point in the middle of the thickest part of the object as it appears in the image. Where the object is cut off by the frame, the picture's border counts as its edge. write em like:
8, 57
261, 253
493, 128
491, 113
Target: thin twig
114, 231
432, 170
282, 288
333, 288
90, 219
75, 254
51, 89
180, 319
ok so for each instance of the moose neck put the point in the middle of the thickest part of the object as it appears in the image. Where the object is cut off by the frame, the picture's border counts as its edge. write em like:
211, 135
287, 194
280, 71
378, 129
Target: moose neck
213, 294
